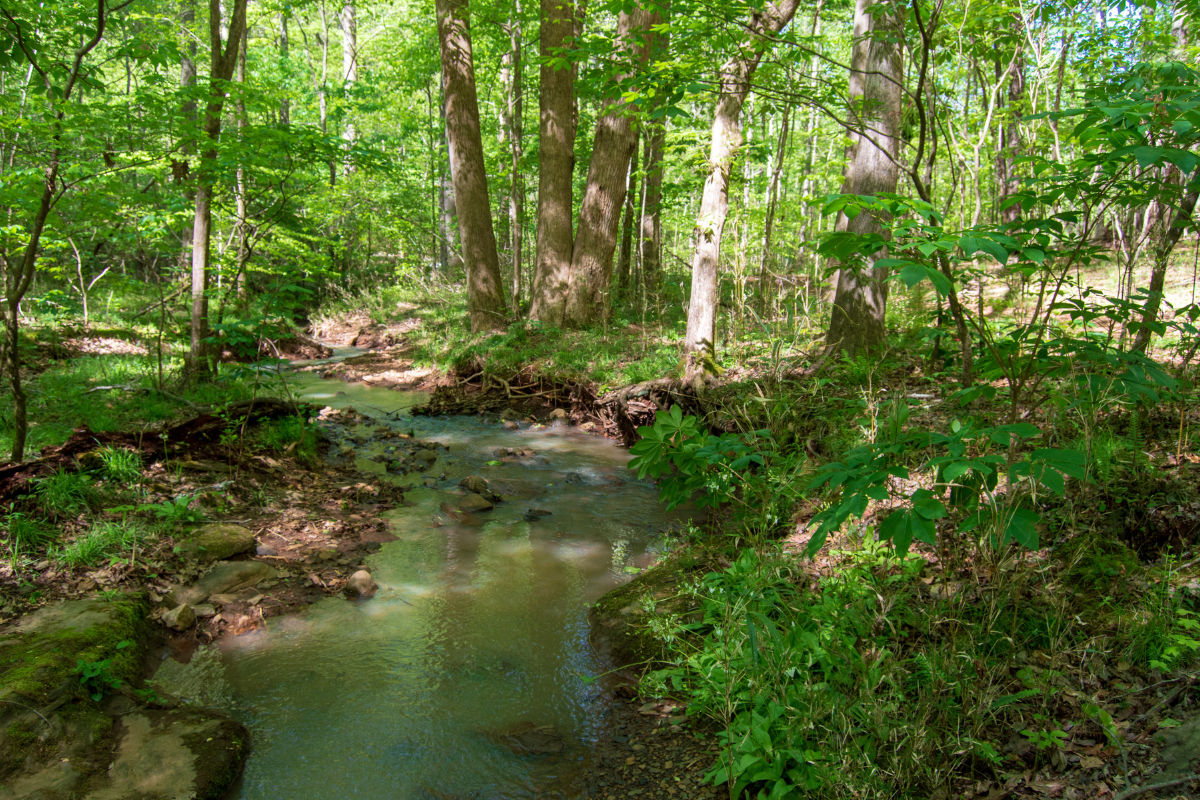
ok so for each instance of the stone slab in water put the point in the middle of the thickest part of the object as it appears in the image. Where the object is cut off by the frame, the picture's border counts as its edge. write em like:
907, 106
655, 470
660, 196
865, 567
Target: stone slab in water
225, 577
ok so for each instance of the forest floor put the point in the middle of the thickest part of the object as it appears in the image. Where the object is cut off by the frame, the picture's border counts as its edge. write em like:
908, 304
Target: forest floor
1098, 602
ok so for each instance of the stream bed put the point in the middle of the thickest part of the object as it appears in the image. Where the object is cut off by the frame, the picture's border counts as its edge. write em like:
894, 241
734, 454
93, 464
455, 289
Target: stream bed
469, 674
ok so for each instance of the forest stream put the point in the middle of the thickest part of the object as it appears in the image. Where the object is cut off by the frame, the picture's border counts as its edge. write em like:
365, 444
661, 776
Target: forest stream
470, 672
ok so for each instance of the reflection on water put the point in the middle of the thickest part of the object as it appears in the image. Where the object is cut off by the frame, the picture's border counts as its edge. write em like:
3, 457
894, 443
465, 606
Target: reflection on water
477, 633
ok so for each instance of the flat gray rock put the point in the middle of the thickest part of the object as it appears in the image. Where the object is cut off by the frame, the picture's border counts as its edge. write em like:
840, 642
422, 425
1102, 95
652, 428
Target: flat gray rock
225, 577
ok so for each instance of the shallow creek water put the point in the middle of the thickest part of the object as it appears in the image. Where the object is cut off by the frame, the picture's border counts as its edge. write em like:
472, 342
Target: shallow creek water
478, 630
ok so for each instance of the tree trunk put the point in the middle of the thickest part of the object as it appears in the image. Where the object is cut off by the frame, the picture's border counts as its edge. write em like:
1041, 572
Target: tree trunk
243, 230
734, 81
556, 163
765, 277
604, 193
631, 195
1181, 220
651, 206
1008, 182
285, 105
18, 272
187, 79
223, 60
485, 293
876, 75
513, 130
349, 26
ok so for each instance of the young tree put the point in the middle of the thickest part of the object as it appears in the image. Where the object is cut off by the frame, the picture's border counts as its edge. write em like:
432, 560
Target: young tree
58, 82
485, 293
222, 62
556, 163
734, 82
876, 89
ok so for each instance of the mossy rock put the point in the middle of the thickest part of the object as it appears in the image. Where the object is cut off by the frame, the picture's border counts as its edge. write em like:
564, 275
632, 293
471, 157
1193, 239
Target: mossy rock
40, 654
622, 619
217, 542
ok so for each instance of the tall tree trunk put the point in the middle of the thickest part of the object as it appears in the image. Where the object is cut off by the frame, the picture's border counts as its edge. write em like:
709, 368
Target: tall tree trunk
556, 163
604, 193
187, 80
1181, 220
223, 60
285, 105
734, 80
349, 26
243, 229
631, 197
765, 281
650, 245
1008, 182
511, 135
485, 292
876, 75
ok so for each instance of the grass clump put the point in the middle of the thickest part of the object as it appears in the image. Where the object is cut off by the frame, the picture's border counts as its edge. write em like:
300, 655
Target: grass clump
288, 436
120, 465
64, 493
104, 539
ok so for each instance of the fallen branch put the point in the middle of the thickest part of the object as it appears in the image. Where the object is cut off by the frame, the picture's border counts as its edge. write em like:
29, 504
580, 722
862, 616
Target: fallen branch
1154, 787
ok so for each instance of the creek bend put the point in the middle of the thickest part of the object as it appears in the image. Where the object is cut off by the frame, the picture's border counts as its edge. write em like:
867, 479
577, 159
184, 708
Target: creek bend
470, 673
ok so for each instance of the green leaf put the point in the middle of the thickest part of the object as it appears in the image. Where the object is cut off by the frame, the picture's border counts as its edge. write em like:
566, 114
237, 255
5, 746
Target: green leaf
1021, 528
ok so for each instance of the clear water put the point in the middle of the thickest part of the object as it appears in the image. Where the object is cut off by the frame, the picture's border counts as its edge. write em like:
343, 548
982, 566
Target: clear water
479, 629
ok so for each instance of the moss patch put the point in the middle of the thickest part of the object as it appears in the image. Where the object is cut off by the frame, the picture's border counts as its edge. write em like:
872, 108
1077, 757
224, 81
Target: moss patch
39, 656
623, 620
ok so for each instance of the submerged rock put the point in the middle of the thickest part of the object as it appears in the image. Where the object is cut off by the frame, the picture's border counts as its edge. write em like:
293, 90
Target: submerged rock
473, 502
360, 584
217, 542
186, 752
180, 618
223, 578
527, 738
474, 483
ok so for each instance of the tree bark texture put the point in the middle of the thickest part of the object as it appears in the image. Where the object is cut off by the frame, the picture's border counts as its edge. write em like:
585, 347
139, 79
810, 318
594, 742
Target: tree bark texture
650, 246
556, 163
604, 194
876, 76
625, 260
734, 81
1010, 133
765, 276
485, 292
514, 132
1181, 220
349, 26
223, 61
285, 105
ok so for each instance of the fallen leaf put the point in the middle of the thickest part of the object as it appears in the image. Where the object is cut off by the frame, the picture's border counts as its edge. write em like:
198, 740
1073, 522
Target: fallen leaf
1090, 762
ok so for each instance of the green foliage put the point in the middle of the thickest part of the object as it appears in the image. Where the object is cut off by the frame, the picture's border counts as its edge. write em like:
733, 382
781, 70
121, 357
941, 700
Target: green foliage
121, 465
289, 435
104, 539
64, 493
967, 468
176, 510
22, 533
95, 677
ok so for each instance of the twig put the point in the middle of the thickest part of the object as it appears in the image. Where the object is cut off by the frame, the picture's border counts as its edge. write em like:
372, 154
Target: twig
1154, 787
28, 708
